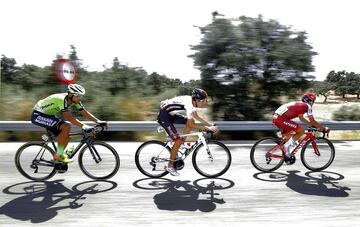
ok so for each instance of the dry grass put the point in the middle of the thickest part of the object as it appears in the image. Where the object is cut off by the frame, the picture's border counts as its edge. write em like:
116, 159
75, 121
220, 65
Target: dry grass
323, 111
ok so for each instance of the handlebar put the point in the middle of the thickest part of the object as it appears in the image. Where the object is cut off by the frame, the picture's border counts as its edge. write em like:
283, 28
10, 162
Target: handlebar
314, 129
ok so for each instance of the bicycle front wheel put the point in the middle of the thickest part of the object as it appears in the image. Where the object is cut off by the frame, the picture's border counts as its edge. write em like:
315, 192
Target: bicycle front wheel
317, 161
151, 158
266, 154
100, 161
212, 162
34, 160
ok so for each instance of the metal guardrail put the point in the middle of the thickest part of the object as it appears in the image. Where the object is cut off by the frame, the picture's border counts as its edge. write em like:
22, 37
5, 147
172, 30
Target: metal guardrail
118, 126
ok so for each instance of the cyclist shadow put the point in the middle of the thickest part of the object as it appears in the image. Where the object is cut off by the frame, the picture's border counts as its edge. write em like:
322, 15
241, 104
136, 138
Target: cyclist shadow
40, 200
313, 183
181, 195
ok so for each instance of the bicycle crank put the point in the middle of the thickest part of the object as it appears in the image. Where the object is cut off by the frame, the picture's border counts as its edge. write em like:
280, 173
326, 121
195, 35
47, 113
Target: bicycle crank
291, 160
60, 167
179, 164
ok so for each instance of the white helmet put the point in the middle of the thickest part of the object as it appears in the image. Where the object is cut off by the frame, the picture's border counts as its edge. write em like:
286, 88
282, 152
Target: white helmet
76, 89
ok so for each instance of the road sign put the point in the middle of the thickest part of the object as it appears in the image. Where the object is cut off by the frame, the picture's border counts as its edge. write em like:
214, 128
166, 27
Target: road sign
65, 71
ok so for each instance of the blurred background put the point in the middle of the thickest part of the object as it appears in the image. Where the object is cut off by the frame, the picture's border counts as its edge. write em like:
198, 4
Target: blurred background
249, 66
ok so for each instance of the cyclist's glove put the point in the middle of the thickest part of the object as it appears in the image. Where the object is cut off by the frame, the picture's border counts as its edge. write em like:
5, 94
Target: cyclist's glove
326, 130
87, 128
213, 129
101, 123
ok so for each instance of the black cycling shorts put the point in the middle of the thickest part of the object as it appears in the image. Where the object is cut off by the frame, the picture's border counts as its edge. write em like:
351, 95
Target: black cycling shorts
167, 121
49, 122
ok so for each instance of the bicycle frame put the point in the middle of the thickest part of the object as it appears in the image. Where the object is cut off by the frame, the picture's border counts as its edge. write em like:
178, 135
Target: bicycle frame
309, 136
49, 138
201, 140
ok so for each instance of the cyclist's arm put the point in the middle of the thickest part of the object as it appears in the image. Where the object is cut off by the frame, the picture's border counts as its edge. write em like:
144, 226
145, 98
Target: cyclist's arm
191, 124
86, 114
304, 120
73, 120
313, 122
201, 119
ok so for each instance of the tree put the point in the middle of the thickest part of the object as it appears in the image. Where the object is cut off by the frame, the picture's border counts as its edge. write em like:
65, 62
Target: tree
74, 59
323, 88
247, 64
8, 69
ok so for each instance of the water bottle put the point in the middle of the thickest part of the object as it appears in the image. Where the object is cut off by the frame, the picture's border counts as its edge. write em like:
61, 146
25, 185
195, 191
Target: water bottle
70, 150
184, 149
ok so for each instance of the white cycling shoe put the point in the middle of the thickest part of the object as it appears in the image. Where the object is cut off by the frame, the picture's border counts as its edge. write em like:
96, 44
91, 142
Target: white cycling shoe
172, 171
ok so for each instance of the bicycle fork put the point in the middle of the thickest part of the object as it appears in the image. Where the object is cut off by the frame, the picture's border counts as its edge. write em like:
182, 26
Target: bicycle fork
94, 153
203, 140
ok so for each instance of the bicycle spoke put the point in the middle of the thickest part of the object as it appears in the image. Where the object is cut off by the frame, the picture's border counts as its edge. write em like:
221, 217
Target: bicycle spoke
151, 158
266, 155
99, 161
35, 161
318, 155
212, 160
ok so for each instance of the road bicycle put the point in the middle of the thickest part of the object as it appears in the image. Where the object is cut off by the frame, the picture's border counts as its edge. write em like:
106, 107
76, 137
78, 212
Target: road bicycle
211, 158
97, 160
317, 153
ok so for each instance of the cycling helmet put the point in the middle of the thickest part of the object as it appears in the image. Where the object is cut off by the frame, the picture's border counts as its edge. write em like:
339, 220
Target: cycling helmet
198, 93
309, 97
76, 89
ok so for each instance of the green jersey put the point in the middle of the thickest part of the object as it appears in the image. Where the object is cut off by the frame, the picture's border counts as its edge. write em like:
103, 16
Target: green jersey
55, 104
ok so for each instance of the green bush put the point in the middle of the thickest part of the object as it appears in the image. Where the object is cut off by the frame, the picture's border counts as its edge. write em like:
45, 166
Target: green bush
347, 113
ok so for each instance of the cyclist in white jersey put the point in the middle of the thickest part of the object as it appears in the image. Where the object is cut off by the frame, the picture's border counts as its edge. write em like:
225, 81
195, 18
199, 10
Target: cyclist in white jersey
45, 111
169, 115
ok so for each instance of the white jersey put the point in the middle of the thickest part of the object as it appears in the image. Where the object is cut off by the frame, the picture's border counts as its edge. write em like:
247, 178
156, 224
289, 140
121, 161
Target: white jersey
179, 104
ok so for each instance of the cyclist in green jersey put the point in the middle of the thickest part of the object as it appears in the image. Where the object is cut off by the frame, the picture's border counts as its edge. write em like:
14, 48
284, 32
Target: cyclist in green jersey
45, 111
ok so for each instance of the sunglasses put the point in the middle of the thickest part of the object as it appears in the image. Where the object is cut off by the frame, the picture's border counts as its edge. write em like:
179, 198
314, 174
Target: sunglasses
78, 96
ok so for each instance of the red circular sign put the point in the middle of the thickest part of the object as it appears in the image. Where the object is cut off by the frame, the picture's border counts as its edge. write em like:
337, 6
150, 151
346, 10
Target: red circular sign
65, 71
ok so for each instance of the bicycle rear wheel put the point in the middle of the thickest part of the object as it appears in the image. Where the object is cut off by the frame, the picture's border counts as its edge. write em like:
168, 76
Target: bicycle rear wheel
34, 160
100, 161
318, 161
213, 162
266, 154
151, 158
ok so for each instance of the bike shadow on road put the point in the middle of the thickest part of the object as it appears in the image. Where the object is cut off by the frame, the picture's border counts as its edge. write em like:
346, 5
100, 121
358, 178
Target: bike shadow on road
40, 201
323, 183
182, 195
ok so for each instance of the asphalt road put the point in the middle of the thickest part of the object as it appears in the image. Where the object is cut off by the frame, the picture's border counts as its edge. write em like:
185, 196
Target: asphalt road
292, 196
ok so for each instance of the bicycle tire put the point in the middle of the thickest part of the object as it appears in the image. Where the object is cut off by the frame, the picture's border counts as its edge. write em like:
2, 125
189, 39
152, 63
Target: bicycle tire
20, 153
255, 151
149, 158
106, 159
305, 156
95, 187
198, 167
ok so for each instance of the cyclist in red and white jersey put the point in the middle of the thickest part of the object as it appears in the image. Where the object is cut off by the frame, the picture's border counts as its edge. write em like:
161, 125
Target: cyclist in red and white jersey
169, 115
284, 114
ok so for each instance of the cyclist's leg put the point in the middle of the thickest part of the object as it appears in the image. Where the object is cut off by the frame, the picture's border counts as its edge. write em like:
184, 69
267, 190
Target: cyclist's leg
167, 122
287, 127
63, 137
57, 126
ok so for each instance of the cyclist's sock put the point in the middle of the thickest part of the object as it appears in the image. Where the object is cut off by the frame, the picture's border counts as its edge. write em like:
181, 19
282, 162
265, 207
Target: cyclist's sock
60, 150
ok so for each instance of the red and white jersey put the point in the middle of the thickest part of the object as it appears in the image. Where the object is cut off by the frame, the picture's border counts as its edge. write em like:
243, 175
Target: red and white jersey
179, 104
294, 109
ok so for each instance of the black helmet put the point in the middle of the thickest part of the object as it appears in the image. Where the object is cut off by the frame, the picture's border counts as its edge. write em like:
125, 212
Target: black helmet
198, 93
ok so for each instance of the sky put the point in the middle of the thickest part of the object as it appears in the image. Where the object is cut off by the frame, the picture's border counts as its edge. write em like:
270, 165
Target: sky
157, 34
